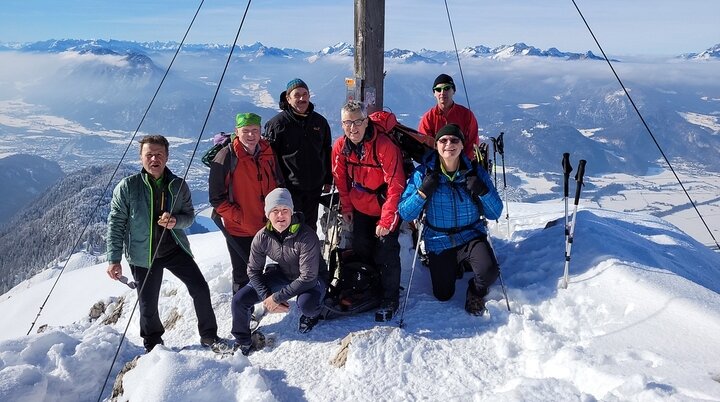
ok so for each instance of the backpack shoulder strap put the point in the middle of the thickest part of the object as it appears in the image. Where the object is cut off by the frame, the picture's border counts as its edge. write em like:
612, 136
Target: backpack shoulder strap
229, 165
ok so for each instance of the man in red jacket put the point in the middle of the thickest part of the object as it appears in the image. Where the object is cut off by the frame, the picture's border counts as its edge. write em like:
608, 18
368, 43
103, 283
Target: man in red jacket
447, 111
369, 176
241, 175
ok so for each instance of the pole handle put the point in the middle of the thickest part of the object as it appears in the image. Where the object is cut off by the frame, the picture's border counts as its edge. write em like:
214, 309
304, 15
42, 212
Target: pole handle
579, 179
567, 168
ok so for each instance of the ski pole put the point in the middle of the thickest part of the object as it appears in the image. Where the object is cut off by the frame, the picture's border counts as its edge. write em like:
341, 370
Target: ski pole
401, 323
579, 179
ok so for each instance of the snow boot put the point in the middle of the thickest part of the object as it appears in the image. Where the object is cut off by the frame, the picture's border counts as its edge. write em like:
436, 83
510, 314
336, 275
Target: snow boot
474, 300
307, 323
257, 342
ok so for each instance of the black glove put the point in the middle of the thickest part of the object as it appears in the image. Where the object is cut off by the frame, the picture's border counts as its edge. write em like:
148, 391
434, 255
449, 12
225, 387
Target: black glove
476, 185
430, 184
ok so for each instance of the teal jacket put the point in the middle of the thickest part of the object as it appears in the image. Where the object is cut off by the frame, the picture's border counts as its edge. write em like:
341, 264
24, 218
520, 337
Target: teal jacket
132, 220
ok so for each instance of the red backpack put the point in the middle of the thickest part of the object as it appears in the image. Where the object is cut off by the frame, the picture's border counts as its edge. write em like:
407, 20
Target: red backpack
412, 143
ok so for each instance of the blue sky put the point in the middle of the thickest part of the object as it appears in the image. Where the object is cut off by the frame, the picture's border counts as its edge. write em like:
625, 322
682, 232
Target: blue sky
622, 26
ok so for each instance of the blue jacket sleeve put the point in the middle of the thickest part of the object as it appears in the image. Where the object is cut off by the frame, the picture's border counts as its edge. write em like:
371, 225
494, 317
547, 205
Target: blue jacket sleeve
491, 202
411, 203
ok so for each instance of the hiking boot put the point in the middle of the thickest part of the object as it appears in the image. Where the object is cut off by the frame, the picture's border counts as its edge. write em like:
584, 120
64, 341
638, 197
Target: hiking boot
208, 341
387, 310
216, 344
149, 346
474, 300
307, 323
244, 349
257, 342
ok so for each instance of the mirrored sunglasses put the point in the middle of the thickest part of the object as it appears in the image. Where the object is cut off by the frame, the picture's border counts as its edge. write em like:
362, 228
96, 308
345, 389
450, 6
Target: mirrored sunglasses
441, 88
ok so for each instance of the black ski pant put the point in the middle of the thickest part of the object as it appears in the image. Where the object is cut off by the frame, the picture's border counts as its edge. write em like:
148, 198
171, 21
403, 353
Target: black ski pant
309, 302
444, 267
307, 202
184, 268
238, 260
381, 252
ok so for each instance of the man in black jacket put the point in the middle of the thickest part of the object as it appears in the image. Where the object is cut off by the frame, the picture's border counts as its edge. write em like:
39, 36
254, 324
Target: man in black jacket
301, 140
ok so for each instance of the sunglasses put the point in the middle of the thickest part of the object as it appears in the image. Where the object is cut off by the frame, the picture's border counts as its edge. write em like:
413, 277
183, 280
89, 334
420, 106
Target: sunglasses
350, 123
130, 284
453, 140
442, 88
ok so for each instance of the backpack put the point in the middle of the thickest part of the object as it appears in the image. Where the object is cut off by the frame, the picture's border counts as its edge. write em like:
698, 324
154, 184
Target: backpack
412, 143
220, 140
354, 286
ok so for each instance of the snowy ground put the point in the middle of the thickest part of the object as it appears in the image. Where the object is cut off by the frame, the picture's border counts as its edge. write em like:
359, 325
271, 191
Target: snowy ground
638, 322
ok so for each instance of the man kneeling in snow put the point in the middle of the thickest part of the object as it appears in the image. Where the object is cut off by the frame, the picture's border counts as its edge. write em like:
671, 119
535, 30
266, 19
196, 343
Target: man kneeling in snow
295, 247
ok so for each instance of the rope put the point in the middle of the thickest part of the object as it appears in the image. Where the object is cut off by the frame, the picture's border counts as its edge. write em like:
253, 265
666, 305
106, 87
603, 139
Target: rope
457, 55
117, 167
645, 124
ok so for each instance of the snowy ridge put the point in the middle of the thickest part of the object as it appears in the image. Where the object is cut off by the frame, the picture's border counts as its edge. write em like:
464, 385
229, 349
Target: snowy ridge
638, 322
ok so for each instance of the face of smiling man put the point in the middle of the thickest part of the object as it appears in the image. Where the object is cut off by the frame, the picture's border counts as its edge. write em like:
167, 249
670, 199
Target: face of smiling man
154, 158
354, 125
280, 217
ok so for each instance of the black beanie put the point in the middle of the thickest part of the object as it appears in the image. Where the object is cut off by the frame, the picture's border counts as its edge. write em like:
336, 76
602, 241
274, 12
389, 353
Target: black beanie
450, 129
444, 79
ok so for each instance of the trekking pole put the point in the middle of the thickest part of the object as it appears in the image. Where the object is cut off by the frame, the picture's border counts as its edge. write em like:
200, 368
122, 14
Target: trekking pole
501, 151
328, 244
412, 271
567, 168
502, 283
494, 142
579, 179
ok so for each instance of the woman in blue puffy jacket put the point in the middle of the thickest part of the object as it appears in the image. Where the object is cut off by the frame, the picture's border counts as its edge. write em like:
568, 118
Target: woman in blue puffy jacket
456, 195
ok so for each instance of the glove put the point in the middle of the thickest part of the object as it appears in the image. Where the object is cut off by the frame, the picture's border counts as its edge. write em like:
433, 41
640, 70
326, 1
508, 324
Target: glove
476, 185
429, 184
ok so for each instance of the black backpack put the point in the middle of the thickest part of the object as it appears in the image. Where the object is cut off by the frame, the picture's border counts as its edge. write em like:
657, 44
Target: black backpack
354, 286
220, 140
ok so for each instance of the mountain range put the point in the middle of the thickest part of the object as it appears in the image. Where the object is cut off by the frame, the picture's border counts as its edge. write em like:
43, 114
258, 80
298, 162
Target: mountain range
77, 103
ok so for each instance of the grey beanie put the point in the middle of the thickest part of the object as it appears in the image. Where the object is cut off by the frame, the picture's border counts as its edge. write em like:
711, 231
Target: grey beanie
279, 196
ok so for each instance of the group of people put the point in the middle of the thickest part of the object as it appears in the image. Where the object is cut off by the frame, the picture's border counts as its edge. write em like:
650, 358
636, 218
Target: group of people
266, 186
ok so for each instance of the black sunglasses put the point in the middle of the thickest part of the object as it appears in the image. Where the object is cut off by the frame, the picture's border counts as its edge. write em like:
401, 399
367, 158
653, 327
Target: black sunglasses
130, 284
442, 88
453, 140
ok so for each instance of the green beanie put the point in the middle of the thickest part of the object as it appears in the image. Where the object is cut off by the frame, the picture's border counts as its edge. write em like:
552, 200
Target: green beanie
247, 119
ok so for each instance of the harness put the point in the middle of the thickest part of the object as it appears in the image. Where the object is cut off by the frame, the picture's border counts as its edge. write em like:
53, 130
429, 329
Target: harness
381, 191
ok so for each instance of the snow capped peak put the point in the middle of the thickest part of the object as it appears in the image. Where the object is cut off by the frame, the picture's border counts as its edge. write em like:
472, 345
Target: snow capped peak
339, 49
710, 53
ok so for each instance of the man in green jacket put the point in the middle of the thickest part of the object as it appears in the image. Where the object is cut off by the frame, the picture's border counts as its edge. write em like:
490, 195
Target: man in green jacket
148, 214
